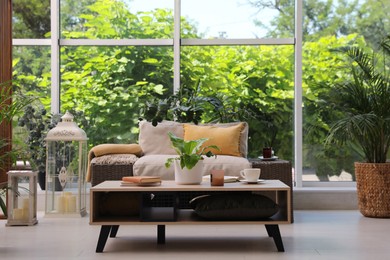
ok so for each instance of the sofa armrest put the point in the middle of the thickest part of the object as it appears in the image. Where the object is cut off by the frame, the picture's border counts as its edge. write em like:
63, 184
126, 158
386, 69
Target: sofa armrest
103, 150
111, 167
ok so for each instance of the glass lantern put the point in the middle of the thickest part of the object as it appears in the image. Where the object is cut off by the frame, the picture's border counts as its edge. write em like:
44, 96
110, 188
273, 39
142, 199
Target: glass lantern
66, 164
22, 198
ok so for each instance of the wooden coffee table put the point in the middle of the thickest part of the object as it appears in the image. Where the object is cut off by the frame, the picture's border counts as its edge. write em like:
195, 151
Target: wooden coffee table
173, 214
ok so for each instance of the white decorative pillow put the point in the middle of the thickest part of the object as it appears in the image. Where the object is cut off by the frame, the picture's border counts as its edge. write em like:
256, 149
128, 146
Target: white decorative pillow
155, 140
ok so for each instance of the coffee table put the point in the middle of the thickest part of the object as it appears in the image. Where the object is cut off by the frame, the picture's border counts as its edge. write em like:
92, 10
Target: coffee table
174, 214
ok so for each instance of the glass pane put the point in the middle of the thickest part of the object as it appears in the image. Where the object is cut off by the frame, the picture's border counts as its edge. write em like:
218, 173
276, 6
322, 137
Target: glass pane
335, 25
31, 19
232, 19
137, 19
31, 81
253, 84
108, 86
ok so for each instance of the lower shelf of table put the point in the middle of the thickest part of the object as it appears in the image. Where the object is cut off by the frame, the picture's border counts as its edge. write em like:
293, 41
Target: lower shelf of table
185, 216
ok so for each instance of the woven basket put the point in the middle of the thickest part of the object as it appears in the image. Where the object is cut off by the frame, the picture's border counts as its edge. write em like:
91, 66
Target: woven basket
373, 189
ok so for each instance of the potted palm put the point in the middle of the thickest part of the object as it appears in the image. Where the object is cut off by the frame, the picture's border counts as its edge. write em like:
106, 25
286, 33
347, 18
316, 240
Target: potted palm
189, 164
12, 103
365, 99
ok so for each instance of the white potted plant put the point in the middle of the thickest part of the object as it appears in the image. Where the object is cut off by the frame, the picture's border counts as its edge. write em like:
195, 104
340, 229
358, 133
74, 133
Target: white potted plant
189, 164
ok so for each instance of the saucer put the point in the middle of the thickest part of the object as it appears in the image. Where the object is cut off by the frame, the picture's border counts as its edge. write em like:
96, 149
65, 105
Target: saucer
273, 158
253, 182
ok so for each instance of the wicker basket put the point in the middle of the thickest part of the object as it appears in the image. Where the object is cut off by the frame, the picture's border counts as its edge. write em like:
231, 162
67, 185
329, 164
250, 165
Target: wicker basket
373, 189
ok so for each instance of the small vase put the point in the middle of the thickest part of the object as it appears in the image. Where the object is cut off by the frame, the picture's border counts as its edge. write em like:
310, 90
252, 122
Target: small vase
267, 152
185, 176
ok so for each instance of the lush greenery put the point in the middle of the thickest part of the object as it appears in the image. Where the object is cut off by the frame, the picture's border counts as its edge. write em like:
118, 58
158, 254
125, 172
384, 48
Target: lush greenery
12, 103
365, 101
252, 83
190, 152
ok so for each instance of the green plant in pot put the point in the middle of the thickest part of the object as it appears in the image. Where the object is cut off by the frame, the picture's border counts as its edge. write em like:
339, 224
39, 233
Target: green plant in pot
189, 164
365, 99
12, 103
38, 122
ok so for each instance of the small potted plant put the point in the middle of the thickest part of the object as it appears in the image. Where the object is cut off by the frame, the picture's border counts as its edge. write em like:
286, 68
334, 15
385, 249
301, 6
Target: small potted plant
189, 164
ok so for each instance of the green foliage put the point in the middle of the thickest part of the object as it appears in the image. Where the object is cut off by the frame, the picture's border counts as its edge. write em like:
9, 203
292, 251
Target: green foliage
190, 152
323, 18
110, 84
185, 106
365, 100
37, 122
12, 103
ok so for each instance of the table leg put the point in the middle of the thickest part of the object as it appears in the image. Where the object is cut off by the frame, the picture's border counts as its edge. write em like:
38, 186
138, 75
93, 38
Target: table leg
114, 230
273, 231
160, 234
104, 232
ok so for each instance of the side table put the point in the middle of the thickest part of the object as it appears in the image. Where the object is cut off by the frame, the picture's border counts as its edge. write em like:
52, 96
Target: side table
277, 170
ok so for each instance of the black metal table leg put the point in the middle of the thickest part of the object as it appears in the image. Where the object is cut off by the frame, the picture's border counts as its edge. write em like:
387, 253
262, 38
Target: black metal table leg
104, 232
114, 230
160, 234
273, 231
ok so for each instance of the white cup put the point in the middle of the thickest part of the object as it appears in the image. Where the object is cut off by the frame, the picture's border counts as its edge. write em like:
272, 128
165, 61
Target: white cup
250, 175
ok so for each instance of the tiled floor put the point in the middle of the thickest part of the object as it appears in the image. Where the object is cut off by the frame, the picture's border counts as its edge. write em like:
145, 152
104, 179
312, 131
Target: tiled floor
314, 235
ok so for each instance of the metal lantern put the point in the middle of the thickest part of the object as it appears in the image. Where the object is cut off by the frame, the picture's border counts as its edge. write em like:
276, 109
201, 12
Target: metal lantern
66, 167
22, 198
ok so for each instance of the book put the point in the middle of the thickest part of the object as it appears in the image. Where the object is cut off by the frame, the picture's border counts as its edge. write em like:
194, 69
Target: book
227, 179
141, 179
128, 184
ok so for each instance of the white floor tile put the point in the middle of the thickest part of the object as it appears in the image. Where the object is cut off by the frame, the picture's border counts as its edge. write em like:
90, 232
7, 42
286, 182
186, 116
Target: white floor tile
314, 235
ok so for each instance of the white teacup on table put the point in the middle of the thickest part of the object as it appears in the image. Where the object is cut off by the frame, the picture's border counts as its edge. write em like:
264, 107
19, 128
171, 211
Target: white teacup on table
251, 175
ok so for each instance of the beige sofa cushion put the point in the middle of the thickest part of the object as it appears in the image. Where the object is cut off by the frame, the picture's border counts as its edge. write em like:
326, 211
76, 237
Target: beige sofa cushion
155, 140
155, 165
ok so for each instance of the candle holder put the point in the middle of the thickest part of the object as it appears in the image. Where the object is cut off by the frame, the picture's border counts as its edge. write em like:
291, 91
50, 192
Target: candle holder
22, 198
66, 162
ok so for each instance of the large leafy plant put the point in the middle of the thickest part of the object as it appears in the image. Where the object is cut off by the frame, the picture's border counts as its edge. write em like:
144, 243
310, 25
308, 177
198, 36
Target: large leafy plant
365, 98
186, 106
190, 152
12, 103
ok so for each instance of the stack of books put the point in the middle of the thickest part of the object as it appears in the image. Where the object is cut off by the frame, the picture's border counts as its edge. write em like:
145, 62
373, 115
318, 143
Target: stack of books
141, 180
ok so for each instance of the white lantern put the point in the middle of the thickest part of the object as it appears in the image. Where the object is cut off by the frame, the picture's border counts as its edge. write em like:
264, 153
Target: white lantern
66, 163
22, 198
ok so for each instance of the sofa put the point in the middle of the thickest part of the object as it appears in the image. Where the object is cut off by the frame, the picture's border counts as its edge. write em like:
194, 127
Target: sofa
148, 157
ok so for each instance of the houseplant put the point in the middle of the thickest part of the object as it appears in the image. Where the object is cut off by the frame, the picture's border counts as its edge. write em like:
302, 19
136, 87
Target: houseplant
365, 100
37, 123
12, 103
189, 164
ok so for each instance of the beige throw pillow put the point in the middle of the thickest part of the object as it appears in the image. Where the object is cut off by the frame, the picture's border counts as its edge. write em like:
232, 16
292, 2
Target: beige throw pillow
155, 140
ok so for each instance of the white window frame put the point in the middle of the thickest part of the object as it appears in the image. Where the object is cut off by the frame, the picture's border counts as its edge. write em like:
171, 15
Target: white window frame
56, 43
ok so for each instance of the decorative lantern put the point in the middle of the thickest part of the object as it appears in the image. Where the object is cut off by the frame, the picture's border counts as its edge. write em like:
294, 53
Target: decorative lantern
66, 163
22, 198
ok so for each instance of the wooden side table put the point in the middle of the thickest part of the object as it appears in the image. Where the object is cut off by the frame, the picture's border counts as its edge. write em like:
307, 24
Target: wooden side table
276, 170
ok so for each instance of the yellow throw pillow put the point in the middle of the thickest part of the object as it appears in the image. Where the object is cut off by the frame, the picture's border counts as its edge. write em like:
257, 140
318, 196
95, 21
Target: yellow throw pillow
226, 138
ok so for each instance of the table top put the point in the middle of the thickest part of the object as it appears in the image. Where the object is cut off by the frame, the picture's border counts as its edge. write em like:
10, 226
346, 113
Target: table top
273, 185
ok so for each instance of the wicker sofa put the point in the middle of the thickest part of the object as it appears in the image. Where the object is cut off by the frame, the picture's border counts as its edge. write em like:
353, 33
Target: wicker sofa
113, 164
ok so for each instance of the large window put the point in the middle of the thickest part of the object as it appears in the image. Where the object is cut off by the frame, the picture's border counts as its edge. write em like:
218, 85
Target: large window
109, 58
